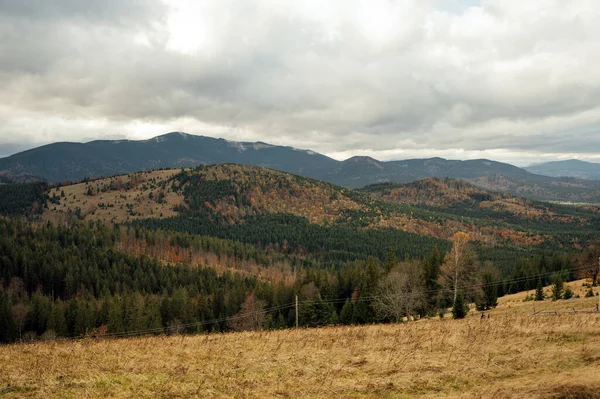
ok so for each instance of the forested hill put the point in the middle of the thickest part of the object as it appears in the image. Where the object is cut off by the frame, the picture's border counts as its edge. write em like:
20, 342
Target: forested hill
185, 250
261, 206
76, 161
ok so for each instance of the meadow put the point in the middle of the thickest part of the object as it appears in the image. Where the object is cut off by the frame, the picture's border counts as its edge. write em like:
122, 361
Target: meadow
510, 354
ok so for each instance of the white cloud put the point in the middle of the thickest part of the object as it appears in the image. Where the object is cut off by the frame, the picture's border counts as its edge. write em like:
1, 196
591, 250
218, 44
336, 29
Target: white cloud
505, 79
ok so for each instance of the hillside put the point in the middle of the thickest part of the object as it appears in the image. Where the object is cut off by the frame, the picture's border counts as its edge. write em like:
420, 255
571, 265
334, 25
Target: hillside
76, 161
571, 168
512, 354
276, 210
191, 250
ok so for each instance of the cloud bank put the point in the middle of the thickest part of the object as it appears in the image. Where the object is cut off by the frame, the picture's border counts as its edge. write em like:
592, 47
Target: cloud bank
505, 79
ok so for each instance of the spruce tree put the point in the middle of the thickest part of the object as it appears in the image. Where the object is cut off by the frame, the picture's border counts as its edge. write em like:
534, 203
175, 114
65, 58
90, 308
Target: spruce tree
568, 294
539, 291
57, 321
7, 322
557, 289
346, 314
460, 309
390, 260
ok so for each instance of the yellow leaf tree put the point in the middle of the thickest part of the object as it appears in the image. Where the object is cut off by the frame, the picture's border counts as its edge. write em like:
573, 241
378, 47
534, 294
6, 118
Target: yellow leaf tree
459, 270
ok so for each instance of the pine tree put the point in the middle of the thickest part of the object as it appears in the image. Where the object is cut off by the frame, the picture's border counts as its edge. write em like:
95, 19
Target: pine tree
390, 260
568, 294
115, 316
152, 318
56, 320
539, 291
557, 289
346, 314
280, 322
7, 321
460, 309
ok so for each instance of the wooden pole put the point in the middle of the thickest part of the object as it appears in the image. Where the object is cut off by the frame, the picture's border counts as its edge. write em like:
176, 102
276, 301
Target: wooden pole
296, 311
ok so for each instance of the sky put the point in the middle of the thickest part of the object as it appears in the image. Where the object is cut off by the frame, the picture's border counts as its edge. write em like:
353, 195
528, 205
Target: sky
510, 80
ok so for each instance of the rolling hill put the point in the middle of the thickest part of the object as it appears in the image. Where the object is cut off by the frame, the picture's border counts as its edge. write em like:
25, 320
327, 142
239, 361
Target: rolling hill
77, 161
260, 206
186, 250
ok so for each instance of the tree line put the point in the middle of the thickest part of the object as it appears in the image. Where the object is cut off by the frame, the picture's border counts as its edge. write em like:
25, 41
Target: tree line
69, 281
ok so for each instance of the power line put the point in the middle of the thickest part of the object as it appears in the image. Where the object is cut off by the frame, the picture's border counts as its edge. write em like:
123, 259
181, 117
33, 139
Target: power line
125, 334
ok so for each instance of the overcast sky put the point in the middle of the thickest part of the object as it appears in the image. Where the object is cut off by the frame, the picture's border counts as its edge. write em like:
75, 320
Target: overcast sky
511, 80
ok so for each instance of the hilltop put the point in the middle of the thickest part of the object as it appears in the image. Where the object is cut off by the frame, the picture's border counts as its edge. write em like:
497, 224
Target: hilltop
259, 206
63, 162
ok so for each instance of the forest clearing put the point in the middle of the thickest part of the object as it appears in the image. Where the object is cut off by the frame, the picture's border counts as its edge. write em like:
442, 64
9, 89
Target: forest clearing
510, 354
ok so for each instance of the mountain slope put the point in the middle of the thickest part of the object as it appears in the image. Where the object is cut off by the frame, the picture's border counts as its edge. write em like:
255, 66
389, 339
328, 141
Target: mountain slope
77, 161
570, 168
238, 202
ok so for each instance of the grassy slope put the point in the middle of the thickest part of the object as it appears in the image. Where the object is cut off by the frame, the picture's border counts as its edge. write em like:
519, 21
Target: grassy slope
512, 354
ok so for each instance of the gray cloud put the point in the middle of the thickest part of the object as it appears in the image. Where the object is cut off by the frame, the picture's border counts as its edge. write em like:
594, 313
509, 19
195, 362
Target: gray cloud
391, 79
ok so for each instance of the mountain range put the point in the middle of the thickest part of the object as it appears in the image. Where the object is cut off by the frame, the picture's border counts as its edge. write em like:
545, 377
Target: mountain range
571, 168
76, 161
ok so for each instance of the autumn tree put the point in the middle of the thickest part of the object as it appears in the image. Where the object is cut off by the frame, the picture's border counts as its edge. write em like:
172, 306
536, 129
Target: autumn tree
251, 317
401, 291
590, 262
459, 267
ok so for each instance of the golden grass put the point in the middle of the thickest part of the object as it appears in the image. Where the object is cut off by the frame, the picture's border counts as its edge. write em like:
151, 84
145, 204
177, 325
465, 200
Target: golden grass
512, 354
137, 197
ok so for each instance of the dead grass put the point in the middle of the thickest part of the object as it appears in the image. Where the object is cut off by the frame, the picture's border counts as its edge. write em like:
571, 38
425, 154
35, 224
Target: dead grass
112, 205
512, 354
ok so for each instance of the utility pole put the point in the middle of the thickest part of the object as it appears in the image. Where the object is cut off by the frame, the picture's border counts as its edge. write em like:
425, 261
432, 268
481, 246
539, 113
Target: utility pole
296, 312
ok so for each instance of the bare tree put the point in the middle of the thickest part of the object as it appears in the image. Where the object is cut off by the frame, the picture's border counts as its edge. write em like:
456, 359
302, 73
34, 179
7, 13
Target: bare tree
401, 291
20, 310
590, 262
252, 315
460, 265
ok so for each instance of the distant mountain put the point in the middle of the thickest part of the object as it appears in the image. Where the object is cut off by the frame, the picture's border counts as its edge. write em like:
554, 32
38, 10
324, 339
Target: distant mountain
360, 171
569, 168
77, 161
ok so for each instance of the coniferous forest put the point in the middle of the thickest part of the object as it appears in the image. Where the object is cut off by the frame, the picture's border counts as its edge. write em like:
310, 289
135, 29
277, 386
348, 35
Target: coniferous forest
225, 255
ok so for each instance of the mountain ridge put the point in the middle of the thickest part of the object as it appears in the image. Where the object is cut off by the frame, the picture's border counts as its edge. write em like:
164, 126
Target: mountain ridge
69, 161
567, 168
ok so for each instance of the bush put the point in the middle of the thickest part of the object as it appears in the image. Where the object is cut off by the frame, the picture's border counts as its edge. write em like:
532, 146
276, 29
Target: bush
589, 293
568, 294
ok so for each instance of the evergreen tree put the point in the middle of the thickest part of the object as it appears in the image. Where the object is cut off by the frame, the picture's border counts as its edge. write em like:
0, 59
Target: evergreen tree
56, 320
568, 294
539, 291
7, 323
460, 309
152, 318
432, 267
489, 296
40, 311
557, 289
346, 314
390, 260
115, 317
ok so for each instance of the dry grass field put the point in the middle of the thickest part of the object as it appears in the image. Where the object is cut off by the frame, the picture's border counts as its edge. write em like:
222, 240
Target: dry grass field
109, 201
510, 355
